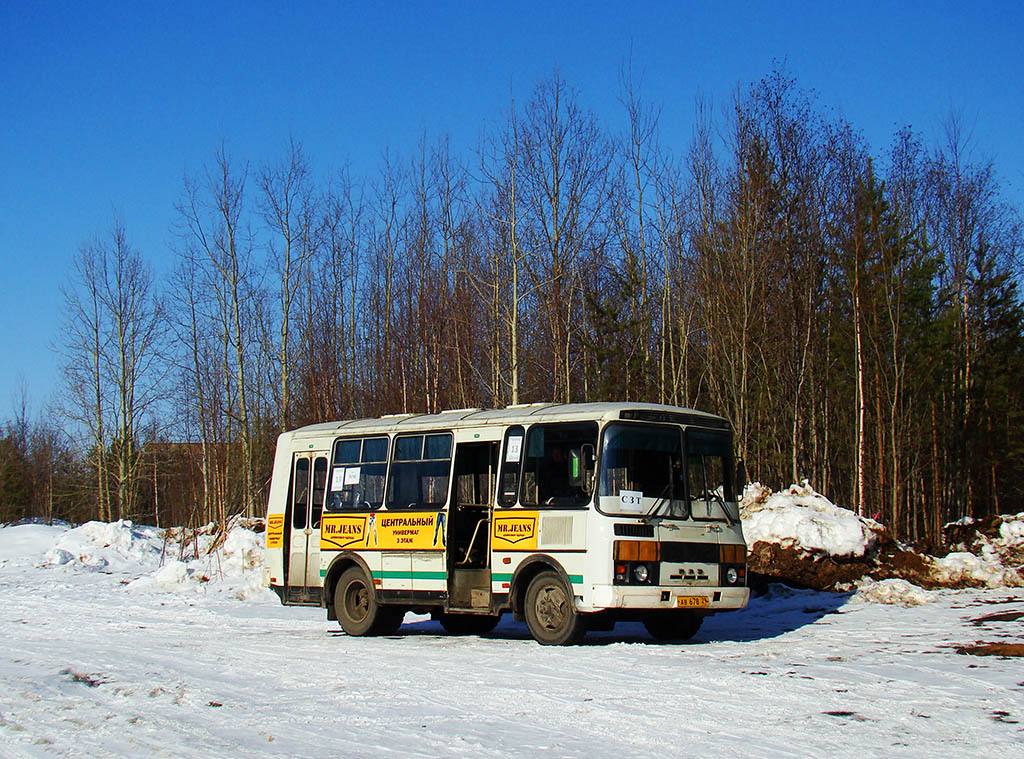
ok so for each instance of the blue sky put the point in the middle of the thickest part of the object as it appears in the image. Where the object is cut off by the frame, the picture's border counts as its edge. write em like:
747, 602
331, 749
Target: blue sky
105, 106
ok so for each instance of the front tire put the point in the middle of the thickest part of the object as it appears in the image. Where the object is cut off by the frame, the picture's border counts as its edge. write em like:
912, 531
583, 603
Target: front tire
551, 613
357, 610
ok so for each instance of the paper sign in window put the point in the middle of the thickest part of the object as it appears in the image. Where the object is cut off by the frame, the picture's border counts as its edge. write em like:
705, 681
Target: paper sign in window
514, 449
631, 500
352, 476
337, 478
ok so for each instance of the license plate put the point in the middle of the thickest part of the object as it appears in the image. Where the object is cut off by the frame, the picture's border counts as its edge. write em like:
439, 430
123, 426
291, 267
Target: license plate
690, 602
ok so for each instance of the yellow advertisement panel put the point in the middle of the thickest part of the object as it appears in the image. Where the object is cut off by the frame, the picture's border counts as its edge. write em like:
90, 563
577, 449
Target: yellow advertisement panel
384, 530
338, 532
411, 531
514, 531
275, 531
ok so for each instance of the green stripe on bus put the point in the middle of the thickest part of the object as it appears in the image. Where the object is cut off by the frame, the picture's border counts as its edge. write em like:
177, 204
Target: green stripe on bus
503, 577
392, 574
400, 574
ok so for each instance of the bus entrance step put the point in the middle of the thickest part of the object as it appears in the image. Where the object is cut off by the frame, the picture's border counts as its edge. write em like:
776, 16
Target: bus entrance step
470, 588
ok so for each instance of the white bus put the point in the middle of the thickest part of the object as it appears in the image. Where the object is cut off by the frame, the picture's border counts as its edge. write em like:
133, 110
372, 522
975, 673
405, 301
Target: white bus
570, 516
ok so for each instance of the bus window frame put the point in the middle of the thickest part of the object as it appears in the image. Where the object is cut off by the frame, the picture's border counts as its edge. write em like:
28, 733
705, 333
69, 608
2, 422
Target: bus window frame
395, 437
521, 501
332, 463
678, 428
728, 464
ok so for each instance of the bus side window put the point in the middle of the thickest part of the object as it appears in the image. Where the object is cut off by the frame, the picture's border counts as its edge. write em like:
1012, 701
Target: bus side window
319, 489
510, 466
357, 479
549, 478
419, 472
300, 494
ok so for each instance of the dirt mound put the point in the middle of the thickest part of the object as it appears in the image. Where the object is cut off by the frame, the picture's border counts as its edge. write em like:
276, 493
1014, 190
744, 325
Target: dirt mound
998, 537
772, 562
992, 649
799, 537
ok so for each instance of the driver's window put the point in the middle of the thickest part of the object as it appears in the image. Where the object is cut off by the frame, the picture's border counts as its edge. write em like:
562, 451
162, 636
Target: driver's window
558, 464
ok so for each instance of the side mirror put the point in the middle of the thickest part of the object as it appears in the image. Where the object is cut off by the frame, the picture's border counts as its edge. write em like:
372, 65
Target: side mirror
741, 478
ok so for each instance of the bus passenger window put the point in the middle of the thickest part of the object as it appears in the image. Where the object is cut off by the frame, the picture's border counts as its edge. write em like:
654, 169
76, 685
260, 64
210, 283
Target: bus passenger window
357, 478
419, 472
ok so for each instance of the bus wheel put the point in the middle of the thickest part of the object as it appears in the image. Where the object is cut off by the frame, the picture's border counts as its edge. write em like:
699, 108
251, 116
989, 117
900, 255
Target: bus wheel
356, 606
673, 626
468, 624
550, 612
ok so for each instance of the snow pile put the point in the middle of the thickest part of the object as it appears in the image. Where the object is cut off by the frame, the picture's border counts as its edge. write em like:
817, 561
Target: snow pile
119, 547
220, 560
1011, 531
803, 519
226, 559
961, 568
27, 541
997, 539
892, 591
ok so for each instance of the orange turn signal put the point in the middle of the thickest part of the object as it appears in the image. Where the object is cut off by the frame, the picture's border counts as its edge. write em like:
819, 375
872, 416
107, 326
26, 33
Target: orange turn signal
637, 550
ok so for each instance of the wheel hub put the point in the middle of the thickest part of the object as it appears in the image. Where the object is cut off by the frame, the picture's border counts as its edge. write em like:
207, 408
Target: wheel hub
551, 608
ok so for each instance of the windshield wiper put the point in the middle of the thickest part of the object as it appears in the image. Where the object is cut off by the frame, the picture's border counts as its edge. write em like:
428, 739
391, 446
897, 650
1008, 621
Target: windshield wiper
725, 510
658, 503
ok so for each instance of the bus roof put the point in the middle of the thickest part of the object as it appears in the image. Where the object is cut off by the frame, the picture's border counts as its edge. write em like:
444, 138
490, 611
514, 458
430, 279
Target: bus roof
525, 413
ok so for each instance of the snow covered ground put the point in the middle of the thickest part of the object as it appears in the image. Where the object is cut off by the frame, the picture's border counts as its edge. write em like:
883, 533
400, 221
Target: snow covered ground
114, 645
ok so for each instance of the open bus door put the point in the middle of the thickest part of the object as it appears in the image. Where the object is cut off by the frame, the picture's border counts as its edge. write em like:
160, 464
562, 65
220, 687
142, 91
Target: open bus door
469, 550
302, 520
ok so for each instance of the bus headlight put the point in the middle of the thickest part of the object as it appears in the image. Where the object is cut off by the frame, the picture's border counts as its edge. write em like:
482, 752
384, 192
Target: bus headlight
640, 572
731, 576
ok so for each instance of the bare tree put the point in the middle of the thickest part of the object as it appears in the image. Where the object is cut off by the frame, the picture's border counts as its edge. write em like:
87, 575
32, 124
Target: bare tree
111, 339
211, 217
565, 177
290, 212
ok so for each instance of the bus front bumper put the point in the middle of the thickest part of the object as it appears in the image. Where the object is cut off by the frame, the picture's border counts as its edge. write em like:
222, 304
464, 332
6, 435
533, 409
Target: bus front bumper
706, 599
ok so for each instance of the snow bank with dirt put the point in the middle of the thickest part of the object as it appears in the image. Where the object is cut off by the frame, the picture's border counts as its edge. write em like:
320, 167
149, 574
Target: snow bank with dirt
800, 537
997, 539
962, 568
892, 591
804, 519
212, 559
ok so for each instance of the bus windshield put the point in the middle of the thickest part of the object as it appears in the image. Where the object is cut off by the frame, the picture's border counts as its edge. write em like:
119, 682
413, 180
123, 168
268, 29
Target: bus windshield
709, 475
648, 470
642, 471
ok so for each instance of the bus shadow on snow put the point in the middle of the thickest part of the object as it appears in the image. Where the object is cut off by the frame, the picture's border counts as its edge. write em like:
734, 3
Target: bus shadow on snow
778, 611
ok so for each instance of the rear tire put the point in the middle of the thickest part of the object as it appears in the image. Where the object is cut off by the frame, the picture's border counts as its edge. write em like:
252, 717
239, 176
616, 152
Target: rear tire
356, 607
673, 625
550, 612
468, 624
